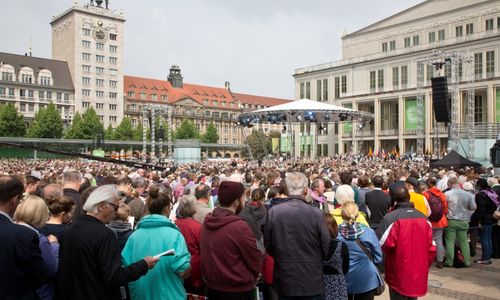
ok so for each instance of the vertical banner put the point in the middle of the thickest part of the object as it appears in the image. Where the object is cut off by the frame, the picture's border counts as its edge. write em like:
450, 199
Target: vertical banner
275, 142
411, 119
285, 143
347, 126
497, 108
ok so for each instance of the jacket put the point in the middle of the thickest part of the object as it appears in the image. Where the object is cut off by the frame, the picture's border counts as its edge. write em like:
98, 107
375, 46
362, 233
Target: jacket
191, 230
420, 203
123, 230
23, 268
378, 203
76, 197
443, 223
484, 211
461, 204
156, 234
409, 249
296, 236
90, 265
336, 213
360, 266
230, 259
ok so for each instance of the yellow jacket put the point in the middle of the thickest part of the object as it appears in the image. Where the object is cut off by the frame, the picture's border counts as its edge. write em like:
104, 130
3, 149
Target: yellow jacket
338, 217
420, 203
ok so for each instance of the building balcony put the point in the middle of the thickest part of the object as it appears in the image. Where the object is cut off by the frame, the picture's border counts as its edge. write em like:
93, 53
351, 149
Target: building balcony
388, 132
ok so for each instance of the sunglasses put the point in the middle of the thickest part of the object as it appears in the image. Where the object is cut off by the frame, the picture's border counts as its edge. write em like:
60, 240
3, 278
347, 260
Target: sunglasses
114, 206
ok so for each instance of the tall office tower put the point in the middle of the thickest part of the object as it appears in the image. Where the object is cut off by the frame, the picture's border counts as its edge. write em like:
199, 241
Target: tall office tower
90, 39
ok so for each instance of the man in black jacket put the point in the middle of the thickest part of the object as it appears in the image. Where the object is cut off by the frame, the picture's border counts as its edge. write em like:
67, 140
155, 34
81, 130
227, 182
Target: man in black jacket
89, 257
22, 269
378, 202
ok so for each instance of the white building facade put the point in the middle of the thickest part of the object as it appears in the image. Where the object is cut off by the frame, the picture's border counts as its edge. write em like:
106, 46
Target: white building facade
378, 74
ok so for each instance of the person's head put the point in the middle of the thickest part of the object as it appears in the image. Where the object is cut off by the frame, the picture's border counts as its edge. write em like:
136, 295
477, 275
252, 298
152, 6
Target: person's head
432, 181
492, 181
103, 202
187, 206
378, 181
412, 184
296, 183
72, 179
231, 196
11, 192
31, 183
346, 178
318, 186
62, 207
52, 190
273, 192
124, 184
452, 182
482, 184
344, 193
331, 224
349, 212
159, 200
400, 194
467, 186
202, 191
140, 184
363, 182
258, 195
32, 211
122, 213
283, 189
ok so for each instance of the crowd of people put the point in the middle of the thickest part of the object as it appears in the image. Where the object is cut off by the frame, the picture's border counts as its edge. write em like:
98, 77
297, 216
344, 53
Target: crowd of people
338, 228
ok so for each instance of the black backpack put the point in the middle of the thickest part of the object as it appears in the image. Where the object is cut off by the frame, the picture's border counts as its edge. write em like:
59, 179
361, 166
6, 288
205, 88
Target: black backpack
436, 207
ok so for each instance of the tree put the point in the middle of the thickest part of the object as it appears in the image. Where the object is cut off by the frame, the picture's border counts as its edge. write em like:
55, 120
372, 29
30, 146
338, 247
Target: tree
11, 121
187, 130
258, 143
91, 125
138, 132
47, 124
72, 131
124, 131
110, 133
211, 136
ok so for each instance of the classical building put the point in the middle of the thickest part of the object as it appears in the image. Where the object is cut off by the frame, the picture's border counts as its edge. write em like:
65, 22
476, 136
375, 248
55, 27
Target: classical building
378, 74
31, 83
199, 103
90, 39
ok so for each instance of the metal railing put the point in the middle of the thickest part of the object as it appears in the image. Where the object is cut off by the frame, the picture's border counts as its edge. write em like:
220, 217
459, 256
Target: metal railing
481, 130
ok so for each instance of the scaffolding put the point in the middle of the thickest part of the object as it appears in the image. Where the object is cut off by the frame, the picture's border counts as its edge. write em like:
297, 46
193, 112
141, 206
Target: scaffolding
456, 61
150, 112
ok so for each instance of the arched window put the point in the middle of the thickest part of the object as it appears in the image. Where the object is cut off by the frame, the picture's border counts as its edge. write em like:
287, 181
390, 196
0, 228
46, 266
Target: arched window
45, 77
26, 75
7, 72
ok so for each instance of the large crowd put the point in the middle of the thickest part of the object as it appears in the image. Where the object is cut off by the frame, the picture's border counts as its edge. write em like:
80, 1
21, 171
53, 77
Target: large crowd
344, 227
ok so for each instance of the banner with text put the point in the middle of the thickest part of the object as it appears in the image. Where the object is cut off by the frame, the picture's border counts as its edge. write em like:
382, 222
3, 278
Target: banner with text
411, 119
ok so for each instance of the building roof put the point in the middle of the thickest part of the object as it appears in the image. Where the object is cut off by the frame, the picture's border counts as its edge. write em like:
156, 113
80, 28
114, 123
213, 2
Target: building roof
61, 76
259, 100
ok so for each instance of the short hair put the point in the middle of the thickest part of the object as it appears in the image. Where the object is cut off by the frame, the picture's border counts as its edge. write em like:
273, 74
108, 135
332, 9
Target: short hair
452, 181
316, 182
363, 182
202, 191
31, 180
344, 193
482, 184
123, 212
124, 179
72, 176
400, 194
157, 200
331, 224
10, 186
140, 182
273, 192
60, 204
378, 181
296, 182
432, 181
187, 206
346, 178
103, 193
33, 211
258, 195
52, 190
492, 181
349, 211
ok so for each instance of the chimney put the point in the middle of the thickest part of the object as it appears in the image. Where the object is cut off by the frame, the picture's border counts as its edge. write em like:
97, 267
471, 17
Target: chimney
175, 77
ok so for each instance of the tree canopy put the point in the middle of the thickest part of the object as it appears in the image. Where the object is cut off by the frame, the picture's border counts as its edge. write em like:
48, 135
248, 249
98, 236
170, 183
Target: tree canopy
47, 123
11, 121
211, 136
124, 131
85, 127
258, 143
187, 130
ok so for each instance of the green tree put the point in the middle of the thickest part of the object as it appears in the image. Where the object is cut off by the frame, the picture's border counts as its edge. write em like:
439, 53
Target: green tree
110, 134
258, 143
74, 128
124, 131
211, 136
11, 121
138, 132
47, 124
91, 125
187, 130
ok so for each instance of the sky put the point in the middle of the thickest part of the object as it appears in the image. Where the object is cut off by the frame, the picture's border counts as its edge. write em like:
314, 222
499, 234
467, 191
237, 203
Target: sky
254, 44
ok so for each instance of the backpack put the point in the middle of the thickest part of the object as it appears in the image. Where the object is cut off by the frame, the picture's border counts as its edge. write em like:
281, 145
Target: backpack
436, 207
458, 259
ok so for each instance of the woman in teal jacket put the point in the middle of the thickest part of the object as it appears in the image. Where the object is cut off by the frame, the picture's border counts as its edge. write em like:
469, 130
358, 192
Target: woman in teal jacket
156, 234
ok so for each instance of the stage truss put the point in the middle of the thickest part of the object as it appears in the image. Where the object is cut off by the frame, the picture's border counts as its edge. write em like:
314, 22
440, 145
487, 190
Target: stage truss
458, 62
151, 112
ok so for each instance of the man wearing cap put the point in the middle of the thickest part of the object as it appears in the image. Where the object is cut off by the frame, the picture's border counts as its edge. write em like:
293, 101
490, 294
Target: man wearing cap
230, 259
90, 264
296, 236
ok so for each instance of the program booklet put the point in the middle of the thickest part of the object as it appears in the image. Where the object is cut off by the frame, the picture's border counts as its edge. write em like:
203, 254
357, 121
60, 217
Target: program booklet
166, 253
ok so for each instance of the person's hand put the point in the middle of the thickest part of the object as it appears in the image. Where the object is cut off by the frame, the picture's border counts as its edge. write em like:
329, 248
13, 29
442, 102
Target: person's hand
151, 261
185, 274
52, 239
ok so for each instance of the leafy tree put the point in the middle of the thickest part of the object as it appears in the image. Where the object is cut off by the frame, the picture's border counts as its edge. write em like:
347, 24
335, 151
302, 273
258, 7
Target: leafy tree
211, 136
11, 121
138, 132
86, 127
124, 131
110, 134
258, 143
73, 129
187, 130
47, 124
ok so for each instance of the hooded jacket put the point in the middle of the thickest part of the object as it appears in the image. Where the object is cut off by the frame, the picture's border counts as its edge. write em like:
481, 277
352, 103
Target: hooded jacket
156, 234
230, 259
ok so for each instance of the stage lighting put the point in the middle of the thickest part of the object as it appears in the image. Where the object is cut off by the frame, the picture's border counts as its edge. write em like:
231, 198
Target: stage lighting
343, 117
309, 116
284, 129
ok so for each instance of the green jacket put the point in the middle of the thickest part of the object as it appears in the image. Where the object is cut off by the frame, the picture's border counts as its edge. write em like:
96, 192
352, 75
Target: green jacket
156, 234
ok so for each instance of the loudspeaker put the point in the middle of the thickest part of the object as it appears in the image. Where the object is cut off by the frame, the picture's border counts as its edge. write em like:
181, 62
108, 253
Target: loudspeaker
440, 99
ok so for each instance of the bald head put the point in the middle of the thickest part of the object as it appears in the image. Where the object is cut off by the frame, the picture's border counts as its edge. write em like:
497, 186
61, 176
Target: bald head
400, 194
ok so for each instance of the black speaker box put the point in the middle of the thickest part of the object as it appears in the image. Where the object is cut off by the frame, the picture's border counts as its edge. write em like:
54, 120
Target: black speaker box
440, 99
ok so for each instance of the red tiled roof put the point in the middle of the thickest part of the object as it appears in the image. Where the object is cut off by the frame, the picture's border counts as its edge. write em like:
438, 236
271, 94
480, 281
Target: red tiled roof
259, 100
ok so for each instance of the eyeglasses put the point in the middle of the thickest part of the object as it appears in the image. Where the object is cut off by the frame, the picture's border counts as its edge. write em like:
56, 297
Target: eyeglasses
114, 206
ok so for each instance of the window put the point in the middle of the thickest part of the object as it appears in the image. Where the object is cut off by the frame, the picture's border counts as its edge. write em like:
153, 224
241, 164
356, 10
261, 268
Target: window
447, 71
460, 70
85, 31
459, 31
392, 45
86, 80
86, 56
373, 81
2, 91
101, 118
490, 64
26, 78
112, 107
30, 93
163, 97
85, 68
428, 72
384, 47
11, 93
112, 36
99, 105
130, 94
432, 37
302, 91
99, 70
99, 82
85, 104
99, 58
22, 107
337, 87
44, 80
325, 89
113, 60
31, 107
112, 118
49, 95
112, 48
99, 94
441, 36
395, 77
416, 40
85, 92
7, 76
318, 90
99, 46
113, 83
59, 96
308, 90
498, 23
380, 82
404, 76
489, 24
469, 28
154, 97
223, 103
41, 95
85, 44
143, 95
66, 97
344, 84
478, 65
216, 114
479, 109
207, 113
407, 42
113, 72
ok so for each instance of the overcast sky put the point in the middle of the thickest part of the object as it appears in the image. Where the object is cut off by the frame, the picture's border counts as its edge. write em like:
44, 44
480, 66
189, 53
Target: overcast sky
254, 44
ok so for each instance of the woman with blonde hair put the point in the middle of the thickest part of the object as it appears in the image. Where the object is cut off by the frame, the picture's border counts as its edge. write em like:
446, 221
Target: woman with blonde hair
33, 213
363, 277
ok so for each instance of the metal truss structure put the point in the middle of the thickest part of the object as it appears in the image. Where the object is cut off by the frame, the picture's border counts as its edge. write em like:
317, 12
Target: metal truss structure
149, 113
457, 61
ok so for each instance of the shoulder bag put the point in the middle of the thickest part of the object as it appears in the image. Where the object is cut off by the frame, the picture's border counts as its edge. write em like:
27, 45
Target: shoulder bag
380, 289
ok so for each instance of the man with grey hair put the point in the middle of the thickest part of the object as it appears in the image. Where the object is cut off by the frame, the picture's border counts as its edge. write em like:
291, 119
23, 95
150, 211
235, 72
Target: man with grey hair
89, 257
71, 181
298, 254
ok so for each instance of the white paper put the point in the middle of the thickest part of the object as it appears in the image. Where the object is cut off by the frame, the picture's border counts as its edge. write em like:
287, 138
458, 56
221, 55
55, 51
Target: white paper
166, 253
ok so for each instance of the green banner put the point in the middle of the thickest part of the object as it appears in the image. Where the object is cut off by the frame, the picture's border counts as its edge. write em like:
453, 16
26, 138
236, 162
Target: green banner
411, 119
497, 109
98, 153
347, 126
285, 143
